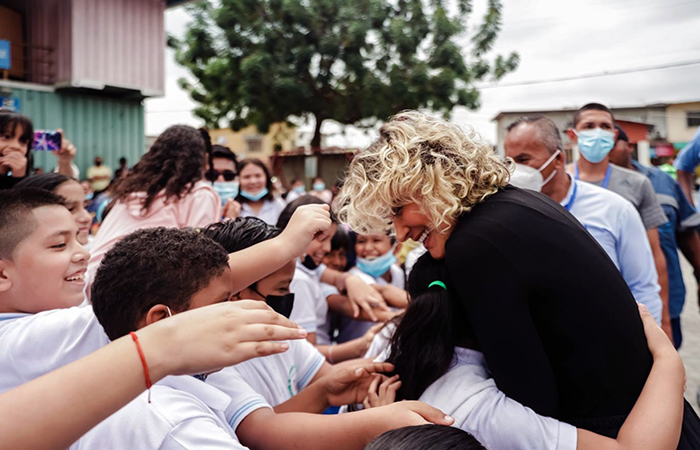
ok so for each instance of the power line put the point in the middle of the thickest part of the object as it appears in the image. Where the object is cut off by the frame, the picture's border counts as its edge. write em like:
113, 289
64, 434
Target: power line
593, 75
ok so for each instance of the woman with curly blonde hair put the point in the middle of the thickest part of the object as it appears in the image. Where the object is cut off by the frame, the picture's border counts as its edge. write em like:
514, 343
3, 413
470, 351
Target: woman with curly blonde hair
555, 320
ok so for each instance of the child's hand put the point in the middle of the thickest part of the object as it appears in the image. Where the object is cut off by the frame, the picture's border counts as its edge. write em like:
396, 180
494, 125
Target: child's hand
307, 223
366, 340
409, 413
382, 391
365, 297
212, 337
394, 296
349, 384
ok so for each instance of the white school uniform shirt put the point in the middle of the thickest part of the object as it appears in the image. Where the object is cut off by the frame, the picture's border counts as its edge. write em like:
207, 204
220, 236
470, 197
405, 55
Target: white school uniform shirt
310, 310
244, 399
281, 376
468, 393
184, 413
615, 223
36, 344
269, 212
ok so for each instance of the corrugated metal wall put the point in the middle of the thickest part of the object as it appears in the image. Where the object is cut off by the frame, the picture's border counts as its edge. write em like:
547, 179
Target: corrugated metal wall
107, 127
119, 43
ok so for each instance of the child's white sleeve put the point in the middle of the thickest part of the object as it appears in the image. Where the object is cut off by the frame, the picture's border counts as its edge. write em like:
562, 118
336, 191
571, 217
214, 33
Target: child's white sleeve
308, 361
304, 310
244, 400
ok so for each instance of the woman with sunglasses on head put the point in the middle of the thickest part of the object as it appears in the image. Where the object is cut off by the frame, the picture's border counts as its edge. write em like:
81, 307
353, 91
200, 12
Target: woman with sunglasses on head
222, 171
165, 189
257, 192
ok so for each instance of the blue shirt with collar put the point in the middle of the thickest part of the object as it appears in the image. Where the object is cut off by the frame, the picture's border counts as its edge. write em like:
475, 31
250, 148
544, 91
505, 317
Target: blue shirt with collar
681, 217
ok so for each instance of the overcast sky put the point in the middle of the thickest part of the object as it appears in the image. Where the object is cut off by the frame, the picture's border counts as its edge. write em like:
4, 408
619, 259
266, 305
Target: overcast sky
555, 39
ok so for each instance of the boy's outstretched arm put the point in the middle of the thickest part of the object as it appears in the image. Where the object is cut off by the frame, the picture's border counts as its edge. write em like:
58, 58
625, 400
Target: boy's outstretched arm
257, 262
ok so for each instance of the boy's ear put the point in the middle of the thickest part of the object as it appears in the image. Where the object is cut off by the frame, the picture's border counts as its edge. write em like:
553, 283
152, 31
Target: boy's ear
5, 275
156, 313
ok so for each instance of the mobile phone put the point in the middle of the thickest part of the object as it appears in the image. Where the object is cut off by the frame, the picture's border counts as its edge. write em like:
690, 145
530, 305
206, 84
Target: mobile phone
46, 141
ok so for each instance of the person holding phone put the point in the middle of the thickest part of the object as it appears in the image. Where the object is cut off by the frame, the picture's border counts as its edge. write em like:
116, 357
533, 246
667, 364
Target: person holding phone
16, 137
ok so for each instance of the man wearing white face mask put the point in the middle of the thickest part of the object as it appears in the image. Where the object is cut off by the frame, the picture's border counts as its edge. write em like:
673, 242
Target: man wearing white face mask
535, 145
594, 134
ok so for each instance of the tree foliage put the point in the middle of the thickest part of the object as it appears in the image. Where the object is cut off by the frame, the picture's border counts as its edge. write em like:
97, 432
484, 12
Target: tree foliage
263, 61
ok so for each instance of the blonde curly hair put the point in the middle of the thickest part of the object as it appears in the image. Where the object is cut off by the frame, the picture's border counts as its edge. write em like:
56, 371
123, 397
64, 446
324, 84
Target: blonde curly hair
424, 160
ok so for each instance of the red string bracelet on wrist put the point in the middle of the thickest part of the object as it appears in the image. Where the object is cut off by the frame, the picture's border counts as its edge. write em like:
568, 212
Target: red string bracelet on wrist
143, 362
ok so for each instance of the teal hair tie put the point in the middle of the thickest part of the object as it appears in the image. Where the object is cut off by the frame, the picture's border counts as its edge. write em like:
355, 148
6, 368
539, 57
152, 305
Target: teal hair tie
437, 283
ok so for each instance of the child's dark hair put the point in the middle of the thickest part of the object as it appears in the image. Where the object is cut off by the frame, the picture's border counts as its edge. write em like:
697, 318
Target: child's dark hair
341, 239
9, 120
16, 222
49, 181
239, 234
288, 211
419, 437
268, 178
174, 164
149, 267
422, 346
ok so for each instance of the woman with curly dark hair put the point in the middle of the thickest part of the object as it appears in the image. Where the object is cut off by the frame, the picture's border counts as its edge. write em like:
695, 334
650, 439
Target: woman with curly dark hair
165, 189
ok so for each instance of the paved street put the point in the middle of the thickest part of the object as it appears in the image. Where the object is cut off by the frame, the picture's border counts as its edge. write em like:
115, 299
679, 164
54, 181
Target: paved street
690, 350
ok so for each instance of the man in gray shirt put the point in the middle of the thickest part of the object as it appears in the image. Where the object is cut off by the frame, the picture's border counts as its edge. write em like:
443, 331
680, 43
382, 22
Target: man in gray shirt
594, 133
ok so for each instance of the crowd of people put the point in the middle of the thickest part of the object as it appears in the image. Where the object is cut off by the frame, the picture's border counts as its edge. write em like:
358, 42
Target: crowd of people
446, 297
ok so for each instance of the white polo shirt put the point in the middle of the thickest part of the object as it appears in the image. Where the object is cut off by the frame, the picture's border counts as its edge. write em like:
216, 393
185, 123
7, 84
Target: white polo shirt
310, 309
468, 393
184, 413
616, 225
244, 399
36, 344
280, 377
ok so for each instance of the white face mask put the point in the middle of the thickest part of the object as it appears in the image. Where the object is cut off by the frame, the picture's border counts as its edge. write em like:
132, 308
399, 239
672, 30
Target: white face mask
526, 177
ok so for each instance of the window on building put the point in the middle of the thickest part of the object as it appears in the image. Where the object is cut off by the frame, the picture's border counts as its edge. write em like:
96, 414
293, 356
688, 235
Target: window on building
693, 118
254, 144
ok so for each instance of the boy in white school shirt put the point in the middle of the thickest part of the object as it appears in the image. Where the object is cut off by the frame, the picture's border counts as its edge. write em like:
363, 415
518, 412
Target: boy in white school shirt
148, 276
280, 378
41, 280
154, 273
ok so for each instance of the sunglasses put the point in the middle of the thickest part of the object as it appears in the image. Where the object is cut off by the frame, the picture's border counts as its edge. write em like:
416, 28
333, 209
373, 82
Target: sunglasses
213, 175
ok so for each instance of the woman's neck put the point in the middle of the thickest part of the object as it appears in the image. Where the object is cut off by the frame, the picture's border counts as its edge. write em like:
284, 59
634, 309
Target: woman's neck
256, 206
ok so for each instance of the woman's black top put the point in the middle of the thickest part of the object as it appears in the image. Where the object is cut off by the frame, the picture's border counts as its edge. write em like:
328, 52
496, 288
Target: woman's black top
559, 328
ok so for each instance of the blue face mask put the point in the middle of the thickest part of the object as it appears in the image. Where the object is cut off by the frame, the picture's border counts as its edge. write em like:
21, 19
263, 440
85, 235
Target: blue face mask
595, 145
226, 190
299, 189
319, 186
254, 197
378, 266
89, 196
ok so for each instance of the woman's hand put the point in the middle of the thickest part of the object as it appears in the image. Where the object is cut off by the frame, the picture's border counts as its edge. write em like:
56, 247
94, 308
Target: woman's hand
14, 161
212, 337
232, 209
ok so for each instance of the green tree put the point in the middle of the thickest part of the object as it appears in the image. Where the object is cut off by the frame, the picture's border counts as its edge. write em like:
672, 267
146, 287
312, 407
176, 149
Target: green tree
353, 61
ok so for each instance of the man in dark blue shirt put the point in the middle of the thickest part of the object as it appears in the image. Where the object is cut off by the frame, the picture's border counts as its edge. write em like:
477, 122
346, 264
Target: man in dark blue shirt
678, 232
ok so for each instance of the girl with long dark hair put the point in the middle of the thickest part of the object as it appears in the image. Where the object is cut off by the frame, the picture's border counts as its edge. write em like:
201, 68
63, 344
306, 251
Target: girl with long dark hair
165, 189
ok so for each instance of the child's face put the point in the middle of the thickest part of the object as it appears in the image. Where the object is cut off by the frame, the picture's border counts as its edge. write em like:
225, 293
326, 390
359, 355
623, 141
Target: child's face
75, 195
336, 259
48, 266
218, 290
318, 249
12, 140
277, 283
372, 246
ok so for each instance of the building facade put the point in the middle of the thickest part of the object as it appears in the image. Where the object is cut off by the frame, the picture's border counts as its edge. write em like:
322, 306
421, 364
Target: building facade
85, 66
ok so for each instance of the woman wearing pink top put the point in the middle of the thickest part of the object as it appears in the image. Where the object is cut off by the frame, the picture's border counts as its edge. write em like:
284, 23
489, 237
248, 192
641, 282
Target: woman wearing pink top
165, 189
